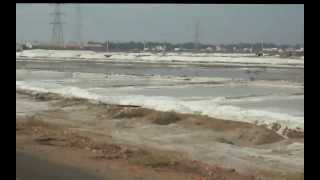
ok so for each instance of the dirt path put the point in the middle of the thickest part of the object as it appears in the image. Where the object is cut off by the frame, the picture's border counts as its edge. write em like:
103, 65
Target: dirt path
56, 152
32, 167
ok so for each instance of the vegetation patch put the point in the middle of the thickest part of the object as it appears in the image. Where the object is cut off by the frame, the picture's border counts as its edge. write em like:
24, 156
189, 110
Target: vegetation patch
165, 118
151, 160
34, 121
130, 113
223, 140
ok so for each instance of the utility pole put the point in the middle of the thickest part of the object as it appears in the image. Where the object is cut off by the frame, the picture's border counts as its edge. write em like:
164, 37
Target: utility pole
22, 39
57, 29
196, 35
79, 25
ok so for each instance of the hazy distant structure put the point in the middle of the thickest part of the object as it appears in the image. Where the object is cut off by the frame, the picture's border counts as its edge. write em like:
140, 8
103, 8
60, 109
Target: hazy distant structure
79, 25
107, 46
261, 51
196, 35
57, 28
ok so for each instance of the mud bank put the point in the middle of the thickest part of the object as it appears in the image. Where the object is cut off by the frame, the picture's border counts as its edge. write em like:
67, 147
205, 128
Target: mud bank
242, 149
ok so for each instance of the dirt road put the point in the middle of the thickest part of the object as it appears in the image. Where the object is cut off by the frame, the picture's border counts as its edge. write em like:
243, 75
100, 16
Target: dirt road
30, 167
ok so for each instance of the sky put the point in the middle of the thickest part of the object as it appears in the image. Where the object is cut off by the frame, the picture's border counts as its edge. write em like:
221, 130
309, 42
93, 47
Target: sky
175, 23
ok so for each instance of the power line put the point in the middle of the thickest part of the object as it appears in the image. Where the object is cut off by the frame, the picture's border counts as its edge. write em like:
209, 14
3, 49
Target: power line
79, 25
197, 35
57, 28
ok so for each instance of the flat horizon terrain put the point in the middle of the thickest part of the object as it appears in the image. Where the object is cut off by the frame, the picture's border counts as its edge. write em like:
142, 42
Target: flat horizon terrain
178, 119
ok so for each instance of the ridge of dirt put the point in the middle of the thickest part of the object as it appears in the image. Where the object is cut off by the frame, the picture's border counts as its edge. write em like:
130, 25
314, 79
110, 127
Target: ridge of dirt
240, 133
75, 123
48, 134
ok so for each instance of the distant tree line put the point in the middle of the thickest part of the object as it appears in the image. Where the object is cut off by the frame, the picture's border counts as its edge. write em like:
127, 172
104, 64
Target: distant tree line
132, 45
188, 46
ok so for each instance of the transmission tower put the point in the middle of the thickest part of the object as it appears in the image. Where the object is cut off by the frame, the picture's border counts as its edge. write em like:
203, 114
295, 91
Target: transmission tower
79, 25
196, 35
57, 28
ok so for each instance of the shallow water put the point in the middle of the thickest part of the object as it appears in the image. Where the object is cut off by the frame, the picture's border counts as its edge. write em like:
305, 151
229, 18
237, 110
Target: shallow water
287, 74
165, 87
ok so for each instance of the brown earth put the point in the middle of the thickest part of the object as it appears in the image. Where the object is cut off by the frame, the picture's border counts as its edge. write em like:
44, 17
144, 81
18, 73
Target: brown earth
34, 133
241, 133
61, 129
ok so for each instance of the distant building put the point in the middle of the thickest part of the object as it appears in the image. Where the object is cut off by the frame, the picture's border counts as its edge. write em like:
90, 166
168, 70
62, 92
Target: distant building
27, 45
289, 49
18, 47
270, 49
300, 50
160, 48
209, 49
35, 43
94, 47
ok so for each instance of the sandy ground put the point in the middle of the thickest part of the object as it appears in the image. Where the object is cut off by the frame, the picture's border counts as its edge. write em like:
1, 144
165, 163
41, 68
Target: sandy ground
126, 142
32, 167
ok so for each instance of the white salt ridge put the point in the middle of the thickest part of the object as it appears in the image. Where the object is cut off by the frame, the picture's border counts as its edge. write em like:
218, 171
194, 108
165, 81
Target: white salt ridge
148, 57
280, 83
209, 107
115, 77
261, 98
153, 77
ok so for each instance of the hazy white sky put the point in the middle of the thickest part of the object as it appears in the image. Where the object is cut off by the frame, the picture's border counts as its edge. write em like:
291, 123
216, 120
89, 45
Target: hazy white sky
281, 24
